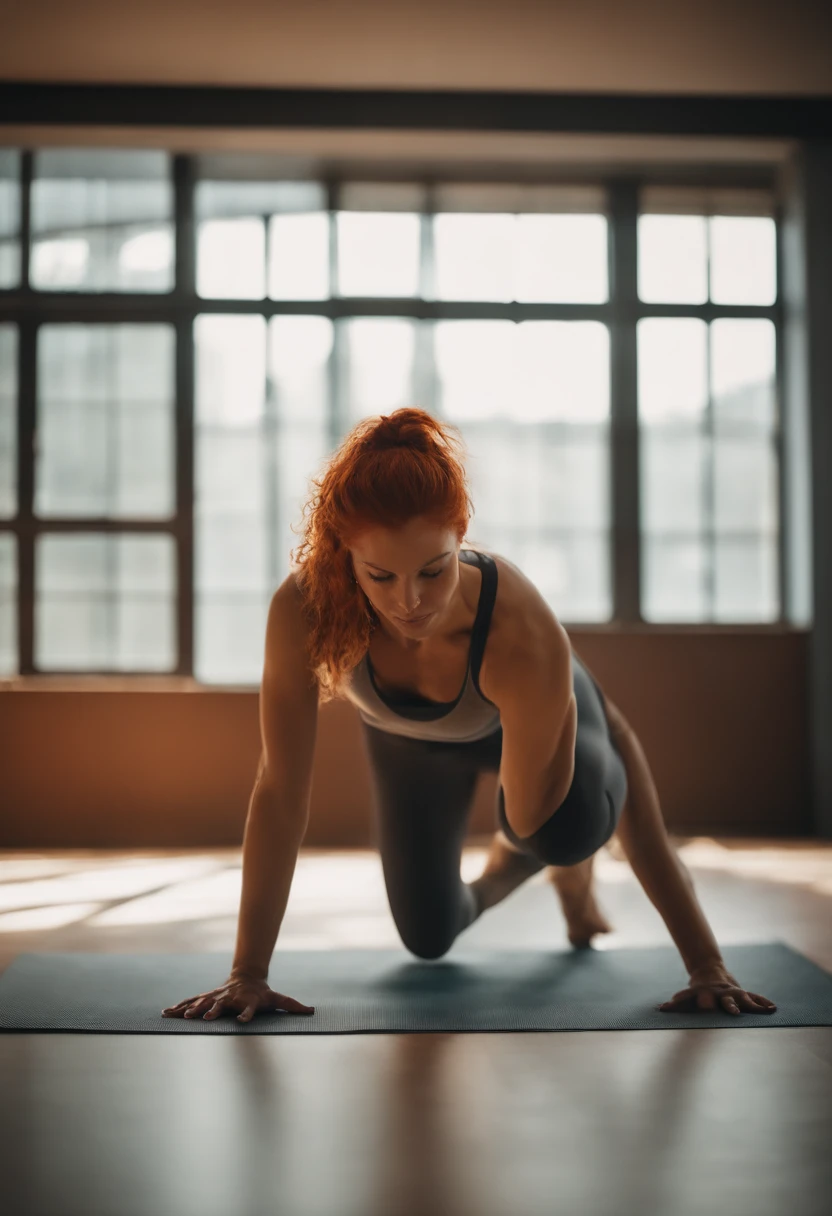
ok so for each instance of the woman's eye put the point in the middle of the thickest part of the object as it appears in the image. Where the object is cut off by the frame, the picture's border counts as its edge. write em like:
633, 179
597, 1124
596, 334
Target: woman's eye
384, 578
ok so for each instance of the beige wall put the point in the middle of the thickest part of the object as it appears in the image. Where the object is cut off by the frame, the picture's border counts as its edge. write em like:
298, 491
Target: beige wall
722, 717
683, 46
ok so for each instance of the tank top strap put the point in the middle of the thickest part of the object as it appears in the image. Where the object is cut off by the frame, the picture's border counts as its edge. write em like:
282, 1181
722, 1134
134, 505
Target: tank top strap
482, 621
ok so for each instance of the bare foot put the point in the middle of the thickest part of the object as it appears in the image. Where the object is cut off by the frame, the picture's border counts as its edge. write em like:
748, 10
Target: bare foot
576, 890
505, 869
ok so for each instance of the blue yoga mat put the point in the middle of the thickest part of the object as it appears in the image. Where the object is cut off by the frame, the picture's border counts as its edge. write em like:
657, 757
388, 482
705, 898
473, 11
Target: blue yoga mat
391, 991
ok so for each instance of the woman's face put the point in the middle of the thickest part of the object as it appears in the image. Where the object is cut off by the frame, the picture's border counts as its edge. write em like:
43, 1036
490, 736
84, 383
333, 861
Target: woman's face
408, 573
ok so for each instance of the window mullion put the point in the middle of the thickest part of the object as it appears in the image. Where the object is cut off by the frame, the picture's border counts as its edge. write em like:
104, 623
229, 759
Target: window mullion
624, 452
26, 453
185, 292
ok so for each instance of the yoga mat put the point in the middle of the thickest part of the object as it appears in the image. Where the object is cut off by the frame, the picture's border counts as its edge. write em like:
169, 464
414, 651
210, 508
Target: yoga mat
357, 991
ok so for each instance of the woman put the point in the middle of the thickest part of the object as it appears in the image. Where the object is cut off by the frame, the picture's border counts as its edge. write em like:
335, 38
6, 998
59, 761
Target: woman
456, 665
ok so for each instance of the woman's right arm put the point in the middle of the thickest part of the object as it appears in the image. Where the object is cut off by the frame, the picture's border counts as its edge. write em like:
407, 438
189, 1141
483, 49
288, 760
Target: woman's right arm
277, 818
278, 811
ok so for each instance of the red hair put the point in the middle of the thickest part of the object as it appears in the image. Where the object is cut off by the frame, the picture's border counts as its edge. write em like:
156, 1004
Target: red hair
388, 470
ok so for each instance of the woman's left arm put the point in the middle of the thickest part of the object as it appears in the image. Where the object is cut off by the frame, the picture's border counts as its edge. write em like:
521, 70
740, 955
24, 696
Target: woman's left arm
669, 887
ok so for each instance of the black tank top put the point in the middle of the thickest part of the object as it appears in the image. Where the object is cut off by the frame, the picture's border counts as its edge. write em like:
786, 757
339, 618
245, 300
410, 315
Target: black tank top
469, 717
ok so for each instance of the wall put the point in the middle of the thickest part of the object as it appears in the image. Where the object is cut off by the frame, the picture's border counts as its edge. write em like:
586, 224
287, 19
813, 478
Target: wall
722, 718
689, 46
723, 715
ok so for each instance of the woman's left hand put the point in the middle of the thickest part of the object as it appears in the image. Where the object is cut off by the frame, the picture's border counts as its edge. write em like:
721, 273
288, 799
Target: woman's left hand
715, 989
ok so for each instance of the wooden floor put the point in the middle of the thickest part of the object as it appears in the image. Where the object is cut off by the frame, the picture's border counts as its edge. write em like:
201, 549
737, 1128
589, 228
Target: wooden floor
677, 1123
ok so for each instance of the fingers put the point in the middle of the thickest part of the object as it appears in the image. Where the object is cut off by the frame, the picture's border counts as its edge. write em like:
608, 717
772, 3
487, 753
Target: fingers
180, 1008
690, 1000
292, 1006
759, 1004
193, 1007
768, 1006
198, 1006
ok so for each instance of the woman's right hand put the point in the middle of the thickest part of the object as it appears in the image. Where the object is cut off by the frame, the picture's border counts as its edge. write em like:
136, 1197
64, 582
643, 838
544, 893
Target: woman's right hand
242, 994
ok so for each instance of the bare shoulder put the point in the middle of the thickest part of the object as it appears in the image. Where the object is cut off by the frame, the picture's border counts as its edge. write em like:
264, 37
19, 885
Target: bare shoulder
523, 625
287, 607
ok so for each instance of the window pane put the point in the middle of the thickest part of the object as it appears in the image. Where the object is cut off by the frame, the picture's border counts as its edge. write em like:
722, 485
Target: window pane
743, 259
672, 259
745, 485
101, 221
673, 577
106, 425
262, 408
474, 257
232, 219
561, 259
9, 218
105, 603
8, 420
475, 365
300, 353
571, 572
506, 241
536, 428
230, 497
743, 376
231, 259
377, 365
673, 471
531, 372
378, 253
229, 637
746, 579
231, 550
230, 371
561, 371
8, 605
672, 369
553, 477
299, 256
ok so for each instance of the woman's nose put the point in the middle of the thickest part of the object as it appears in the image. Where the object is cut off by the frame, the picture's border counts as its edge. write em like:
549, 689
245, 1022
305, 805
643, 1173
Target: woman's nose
409, 603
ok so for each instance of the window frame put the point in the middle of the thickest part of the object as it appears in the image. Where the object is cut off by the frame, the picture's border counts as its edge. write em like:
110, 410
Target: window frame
29, 308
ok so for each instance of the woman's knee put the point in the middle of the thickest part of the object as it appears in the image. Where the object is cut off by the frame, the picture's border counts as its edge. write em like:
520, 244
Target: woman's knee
427, 941
431, 930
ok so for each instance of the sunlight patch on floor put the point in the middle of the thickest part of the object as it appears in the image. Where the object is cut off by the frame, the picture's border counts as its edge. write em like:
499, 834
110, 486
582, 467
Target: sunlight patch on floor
808, 867
338, 897
36, 920
99, 882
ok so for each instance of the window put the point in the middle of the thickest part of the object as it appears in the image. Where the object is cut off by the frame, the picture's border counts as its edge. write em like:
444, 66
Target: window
261, 427
9, 218
105, 603
105, 421
262, 238
174, 430
530, 396
101, 221
708, 416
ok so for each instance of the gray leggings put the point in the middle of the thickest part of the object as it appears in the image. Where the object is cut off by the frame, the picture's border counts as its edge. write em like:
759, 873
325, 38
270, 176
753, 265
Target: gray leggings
422, 793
